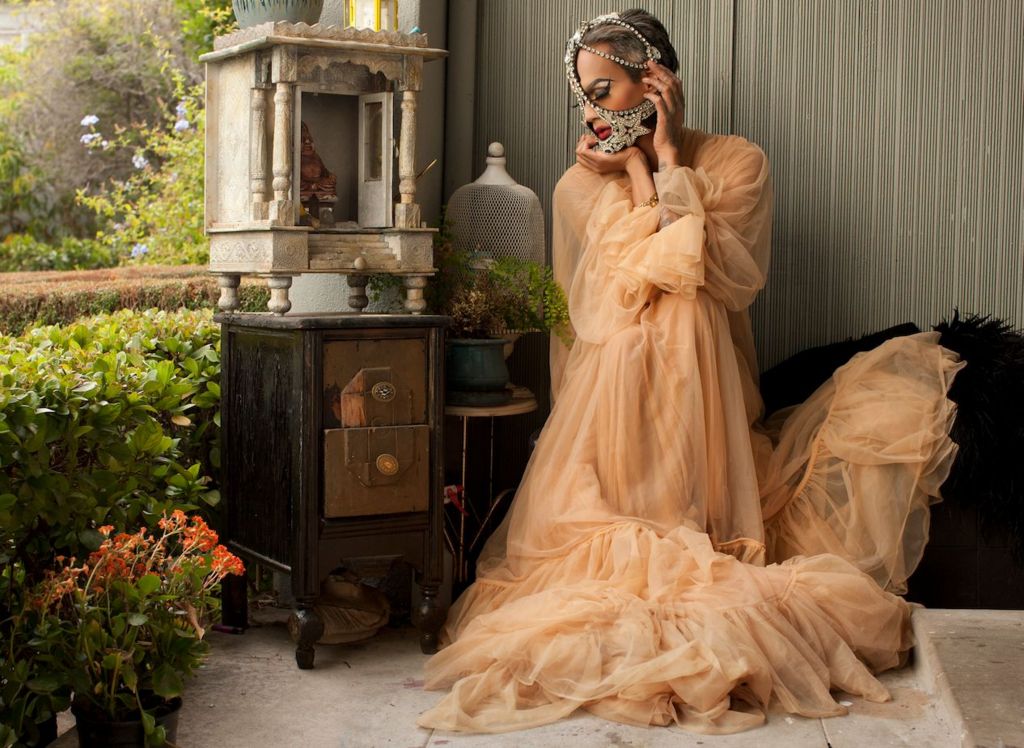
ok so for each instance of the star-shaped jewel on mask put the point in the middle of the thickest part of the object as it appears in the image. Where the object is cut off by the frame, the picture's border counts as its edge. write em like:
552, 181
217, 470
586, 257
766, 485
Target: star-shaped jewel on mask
626, 129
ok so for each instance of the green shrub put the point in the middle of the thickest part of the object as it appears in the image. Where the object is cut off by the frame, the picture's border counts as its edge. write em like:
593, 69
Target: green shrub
110, 420
28, 299
22, 252
155, 214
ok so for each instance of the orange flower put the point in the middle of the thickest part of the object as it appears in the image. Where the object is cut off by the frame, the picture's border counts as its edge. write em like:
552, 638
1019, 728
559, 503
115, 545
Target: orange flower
105, 530
174, 522
225, 562
200, 536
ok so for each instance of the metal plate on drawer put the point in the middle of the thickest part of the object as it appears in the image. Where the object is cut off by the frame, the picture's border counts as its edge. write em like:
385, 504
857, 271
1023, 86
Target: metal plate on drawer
376, 470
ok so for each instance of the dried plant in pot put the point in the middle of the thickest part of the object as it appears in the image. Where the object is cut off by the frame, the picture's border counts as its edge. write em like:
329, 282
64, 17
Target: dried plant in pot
124, 628
491, 302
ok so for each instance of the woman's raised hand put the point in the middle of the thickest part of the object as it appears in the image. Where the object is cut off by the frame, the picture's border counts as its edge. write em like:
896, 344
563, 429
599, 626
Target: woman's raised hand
604, 163
671, 103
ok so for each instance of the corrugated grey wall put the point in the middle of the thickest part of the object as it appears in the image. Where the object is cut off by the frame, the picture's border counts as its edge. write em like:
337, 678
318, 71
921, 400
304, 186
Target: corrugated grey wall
894, 128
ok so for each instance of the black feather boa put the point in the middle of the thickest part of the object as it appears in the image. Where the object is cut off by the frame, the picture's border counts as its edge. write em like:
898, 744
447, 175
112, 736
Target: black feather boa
988, 473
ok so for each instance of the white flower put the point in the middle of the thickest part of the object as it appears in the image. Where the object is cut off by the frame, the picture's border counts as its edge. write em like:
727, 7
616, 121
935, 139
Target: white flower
139, 161
104, 144
139, 249
89, 137
181, 110
89, 120
181, 125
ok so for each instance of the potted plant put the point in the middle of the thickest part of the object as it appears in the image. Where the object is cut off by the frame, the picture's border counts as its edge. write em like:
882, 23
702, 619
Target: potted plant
491, 302
123, 629
254, 12
31, 694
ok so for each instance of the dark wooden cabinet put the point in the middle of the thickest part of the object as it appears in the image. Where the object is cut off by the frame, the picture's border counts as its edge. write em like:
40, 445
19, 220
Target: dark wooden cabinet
331, 449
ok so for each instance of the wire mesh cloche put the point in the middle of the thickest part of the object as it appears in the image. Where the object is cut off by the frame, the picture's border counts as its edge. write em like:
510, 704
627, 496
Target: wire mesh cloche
496, 215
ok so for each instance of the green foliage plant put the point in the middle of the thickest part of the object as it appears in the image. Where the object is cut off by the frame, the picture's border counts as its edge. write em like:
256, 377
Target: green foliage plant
155, 214
32, 692
27, 203
488, 298
24, 253
126, 626
112, 420
202, 21
117, 60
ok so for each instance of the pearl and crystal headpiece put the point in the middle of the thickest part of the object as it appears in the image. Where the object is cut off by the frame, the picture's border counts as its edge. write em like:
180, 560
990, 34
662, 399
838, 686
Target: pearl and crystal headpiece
626, 124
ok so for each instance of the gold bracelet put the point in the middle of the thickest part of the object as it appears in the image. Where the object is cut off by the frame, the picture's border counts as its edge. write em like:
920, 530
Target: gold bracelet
649, 202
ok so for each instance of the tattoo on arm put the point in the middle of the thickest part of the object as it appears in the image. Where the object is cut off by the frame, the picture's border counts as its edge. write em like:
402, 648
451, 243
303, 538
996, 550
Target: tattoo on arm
666, 217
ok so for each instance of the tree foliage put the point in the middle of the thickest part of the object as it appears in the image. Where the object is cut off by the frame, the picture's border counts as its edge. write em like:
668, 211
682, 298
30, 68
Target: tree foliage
101, 130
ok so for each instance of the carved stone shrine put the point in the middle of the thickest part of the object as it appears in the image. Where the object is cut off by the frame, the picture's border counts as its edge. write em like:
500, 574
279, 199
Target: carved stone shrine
283, 96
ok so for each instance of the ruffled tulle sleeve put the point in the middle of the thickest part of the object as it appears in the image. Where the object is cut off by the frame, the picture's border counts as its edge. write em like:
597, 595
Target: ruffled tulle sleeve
618, 257
611, 257
730, 194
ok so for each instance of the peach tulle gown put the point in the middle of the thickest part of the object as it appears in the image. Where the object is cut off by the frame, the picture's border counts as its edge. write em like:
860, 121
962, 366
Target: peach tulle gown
667, 558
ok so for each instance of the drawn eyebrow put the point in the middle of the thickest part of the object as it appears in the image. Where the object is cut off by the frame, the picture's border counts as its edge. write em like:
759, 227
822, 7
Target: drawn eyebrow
590, 88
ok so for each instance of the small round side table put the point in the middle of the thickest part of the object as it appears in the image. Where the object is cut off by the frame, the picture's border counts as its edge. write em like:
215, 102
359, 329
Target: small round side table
522, 402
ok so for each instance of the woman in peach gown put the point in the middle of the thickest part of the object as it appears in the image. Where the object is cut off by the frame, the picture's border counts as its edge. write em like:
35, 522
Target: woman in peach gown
667, 557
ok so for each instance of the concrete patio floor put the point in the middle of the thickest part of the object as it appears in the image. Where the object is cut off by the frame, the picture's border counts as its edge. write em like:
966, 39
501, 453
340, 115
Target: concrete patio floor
965, 688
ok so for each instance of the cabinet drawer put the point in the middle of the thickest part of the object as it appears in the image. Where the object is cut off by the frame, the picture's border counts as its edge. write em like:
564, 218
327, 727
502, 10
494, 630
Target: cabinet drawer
374, 382
381, 470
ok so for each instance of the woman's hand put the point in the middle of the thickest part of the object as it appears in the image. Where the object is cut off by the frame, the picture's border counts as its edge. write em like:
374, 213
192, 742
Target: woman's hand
604, 163
671, 103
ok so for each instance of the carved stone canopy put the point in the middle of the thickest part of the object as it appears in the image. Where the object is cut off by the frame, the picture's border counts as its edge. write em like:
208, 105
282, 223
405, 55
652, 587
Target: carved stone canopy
319, 50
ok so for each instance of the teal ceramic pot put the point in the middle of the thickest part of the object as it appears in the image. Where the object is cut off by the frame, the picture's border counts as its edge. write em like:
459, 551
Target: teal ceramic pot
254, 12
476, 373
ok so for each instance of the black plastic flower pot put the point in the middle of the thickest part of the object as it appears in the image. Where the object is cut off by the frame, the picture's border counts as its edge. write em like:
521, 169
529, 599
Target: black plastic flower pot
96, 732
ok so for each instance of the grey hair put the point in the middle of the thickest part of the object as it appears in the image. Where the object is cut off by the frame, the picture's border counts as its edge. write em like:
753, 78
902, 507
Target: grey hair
624, 44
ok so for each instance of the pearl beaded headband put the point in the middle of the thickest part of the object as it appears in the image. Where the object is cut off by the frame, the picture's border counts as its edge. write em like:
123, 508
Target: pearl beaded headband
626, 124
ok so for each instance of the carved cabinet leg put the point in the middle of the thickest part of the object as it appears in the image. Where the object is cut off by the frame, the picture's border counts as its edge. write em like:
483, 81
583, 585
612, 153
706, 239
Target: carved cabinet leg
414, 301
357, 298
306, 628
279, 302
228, 282
430, 618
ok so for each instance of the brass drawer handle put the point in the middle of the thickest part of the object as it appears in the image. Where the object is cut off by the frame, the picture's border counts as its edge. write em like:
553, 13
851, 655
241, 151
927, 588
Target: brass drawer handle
383, 392
387, 464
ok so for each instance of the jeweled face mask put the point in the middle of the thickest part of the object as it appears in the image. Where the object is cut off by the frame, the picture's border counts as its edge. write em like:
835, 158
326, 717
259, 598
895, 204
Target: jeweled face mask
627, 124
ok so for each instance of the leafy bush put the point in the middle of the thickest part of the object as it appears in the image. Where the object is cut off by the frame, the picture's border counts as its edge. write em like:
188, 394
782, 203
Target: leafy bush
28, 299
99, 90
202, 20
23, 253
112, 420
155, 214
107, 421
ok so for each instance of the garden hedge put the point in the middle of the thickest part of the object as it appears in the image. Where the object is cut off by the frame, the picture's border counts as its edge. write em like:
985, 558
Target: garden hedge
47, 298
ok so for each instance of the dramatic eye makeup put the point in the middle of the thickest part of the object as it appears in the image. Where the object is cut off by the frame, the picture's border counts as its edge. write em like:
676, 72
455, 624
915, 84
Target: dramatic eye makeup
598, 89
